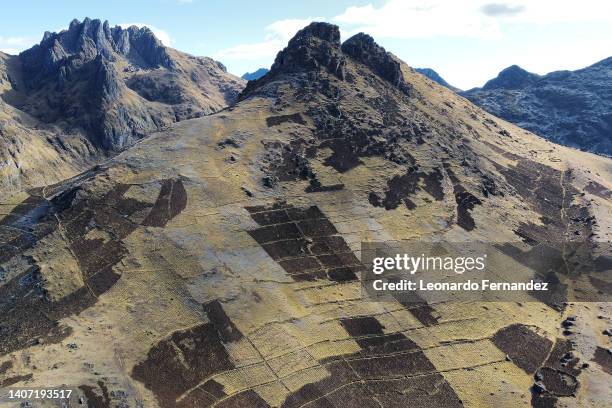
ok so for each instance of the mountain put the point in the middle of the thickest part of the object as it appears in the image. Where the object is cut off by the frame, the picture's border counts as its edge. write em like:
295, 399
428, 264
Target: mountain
99, 89
251, 76
33, 152
434, 76
217, 262
513, 77
573, 108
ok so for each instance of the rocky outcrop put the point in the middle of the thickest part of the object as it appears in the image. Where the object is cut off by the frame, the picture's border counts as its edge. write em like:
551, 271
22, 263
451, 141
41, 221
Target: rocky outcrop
314, 48
364, 49
317, 47
64, 52
92, 90
567, 107
116, 85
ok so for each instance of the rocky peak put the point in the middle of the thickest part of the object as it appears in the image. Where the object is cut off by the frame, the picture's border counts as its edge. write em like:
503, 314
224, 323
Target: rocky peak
313, 47
513, 77
320, 30
317, 47
114, 85
364, 49
83, 41
141, 42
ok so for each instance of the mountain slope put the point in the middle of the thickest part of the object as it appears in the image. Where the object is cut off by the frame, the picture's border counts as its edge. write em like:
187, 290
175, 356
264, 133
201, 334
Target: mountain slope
216, 263
108, 87
572, 108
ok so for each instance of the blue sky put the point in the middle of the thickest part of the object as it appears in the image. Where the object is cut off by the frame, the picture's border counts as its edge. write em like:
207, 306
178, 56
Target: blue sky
467, 41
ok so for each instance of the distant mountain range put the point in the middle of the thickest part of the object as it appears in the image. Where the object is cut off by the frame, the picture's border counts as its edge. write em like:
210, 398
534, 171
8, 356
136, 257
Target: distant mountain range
434, 76
573, 108
251, 76
94, 89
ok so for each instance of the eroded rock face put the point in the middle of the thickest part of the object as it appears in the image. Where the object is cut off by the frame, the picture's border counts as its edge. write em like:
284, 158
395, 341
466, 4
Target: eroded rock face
75, 69
60, 54
100, 79
91, 90
363, 48
567, 107
378, 126
314, 47
317, 46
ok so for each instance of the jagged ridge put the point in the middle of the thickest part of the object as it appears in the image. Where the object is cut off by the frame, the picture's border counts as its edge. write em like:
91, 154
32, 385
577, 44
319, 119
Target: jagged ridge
101, 79
317, 47
61, 53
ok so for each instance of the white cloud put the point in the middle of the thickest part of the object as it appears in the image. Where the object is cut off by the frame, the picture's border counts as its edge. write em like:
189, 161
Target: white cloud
418, 19
162, 35
502, 9
278, 34
564, 11
466, 18
14, 45
485, 19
